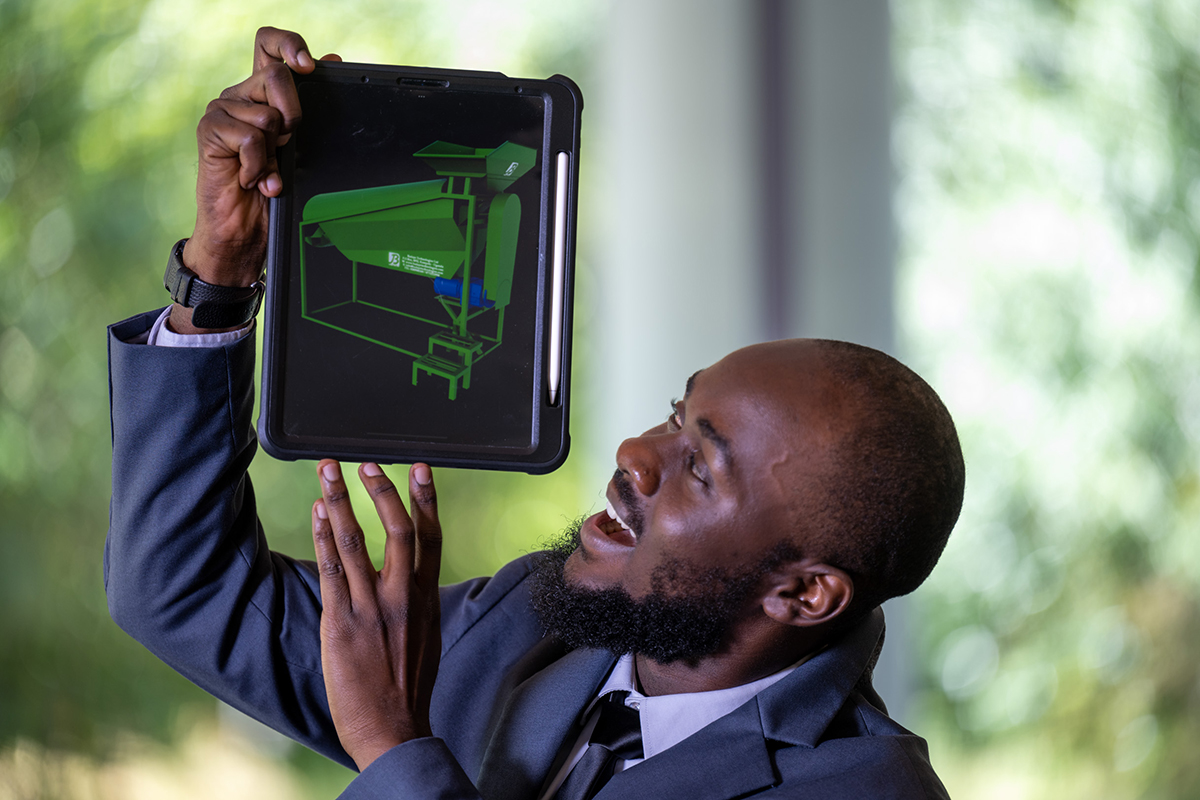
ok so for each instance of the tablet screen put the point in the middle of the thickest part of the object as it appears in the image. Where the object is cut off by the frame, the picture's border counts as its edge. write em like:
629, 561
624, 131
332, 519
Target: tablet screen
412, 297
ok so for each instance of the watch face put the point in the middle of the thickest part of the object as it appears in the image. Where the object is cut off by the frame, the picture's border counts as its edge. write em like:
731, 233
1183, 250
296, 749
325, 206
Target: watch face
175, 279
212, 306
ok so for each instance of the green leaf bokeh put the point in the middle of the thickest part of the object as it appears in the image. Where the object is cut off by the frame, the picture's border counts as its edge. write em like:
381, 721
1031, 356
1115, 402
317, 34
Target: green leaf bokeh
1050, 163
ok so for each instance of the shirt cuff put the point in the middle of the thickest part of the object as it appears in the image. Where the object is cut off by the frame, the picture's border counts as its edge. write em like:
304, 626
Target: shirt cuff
163, 336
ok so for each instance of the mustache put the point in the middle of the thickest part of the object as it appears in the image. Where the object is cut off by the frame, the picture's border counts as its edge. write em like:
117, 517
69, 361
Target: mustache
629, 499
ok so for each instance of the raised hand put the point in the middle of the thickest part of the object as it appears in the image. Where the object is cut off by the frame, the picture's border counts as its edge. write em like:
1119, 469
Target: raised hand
380, 635
238, 173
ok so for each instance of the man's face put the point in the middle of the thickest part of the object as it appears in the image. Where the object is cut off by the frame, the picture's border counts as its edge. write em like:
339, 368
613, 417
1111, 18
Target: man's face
717, 487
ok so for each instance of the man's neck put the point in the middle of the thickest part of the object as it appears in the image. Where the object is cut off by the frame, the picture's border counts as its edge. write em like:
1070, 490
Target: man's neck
732, 667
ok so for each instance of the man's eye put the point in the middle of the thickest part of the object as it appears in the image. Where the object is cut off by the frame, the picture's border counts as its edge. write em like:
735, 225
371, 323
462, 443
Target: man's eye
674, 421
696, 471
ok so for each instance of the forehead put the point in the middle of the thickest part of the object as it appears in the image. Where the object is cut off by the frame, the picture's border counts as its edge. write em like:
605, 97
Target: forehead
790, 388
775, 410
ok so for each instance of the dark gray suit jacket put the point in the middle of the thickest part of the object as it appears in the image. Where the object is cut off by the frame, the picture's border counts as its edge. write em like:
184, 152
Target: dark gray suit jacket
188, 572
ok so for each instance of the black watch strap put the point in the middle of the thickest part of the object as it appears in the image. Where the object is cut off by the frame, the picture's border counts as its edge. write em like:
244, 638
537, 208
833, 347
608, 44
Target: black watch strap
212, 306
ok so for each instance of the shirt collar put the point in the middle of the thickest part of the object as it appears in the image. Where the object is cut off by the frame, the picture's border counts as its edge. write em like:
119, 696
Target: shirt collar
668, 719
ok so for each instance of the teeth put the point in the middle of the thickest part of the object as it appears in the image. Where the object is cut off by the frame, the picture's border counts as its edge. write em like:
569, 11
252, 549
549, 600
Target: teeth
612, 514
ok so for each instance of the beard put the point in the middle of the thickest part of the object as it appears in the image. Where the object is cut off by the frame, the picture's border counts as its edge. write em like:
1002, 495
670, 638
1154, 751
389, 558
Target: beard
687, 615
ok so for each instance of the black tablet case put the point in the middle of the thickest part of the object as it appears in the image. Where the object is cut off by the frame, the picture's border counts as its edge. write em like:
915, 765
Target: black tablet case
399, 183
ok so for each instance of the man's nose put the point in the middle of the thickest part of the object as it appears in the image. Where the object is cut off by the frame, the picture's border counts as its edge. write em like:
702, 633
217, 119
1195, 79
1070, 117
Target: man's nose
639, 460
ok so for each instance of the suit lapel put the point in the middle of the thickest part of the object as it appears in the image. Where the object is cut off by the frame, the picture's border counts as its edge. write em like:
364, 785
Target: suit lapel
536, 720
799, 709
728, 758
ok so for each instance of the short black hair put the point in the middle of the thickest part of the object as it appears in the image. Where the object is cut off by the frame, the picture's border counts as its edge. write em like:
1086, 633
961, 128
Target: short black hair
895, 486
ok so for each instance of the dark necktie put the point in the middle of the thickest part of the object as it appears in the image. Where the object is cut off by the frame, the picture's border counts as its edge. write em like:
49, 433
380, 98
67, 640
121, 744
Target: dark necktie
617, 735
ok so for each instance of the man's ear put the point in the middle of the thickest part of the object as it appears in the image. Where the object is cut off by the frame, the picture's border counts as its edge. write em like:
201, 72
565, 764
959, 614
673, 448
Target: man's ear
805, 593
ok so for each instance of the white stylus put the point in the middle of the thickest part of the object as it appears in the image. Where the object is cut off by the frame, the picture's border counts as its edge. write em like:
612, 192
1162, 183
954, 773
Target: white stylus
559, 268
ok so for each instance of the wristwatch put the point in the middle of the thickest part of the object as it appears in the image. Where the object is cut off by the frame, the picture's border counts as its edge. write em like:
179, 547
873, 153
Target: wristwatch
212, 306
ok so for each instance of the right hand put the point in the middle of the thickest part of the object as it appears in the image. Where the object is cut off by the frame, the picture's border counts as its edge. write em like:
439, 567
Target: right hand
238, 172
381, 639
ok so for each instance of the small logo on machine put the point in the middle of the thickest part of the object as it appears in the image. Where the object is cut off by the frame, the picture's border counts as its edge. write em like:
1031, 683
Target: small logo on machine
393, 259
510, 169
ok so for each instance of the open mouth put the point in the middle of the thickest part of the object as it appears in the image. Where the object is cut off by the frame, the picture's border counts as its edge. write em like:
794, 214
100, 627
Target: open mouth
615, 528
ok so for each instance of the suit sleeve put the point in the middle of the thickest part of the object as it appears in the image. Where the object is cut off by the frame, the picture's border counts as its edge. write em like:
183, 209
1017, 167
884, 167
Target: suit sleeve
422, 768
189, 574
187, 568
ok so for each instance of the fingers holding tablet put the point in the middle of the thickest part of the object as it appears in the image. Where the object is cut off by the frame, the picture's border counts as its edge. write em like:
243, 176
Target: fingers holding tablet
380, 635
272, 45
237, 139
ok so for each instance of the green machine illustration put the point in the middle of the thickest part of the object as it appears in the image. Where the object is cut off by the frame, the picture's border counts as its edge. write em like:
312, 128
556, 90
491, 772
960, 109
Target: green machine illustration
459, 232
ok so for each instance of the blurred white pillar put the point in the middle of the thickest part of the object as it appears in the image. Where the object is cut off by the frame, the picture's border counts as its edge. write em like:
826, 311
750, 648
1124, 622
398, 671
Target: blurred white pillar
744, 178
676, 261
839, 120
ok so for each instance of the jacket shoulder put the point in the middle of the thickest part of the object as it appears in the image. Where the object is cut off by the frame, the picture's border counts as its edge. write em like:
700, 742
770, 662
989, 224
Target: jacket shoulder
865, 754
464, 605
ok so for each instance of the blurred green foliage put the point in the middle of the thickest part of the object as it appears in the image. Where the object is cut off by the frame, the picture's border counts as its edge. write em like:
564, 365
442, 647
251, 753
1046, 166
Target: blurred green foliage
98, 105
1049, 155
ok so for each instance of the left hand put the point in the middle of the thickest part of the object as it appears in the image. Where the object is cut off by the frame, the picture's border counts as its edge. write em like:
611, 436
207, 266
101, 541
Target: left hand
380, 635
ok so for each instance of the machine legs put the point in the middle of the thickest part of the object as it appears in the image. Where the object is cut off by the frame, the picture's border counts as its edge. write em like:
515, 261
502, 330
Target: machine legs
453, 362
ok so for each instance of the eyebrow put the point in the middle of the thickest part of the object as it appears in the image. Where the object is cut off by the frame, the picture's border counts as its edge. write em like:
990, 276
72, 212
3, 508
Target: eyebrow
722, 444
708, 431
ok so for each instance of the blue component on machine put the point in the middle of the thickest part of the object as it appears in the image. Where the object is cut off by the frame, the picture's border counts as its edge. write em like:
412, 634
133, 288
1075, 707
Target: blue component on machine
452, 287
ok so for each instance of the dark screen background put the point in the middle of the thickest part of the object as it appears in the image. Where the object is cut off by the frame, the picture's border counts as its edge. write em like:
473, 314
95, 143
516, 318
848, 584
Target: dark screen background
338, 386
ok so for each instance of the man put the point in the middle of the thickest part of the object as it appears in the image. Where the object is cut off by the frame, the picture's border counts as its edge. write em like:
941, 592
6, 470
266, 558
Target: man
710, 634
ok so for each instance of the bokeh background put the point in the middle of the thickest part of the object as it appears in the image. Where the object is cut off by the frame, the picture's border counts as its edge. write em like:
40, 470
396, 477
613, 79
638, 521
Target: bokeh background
1004, 193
